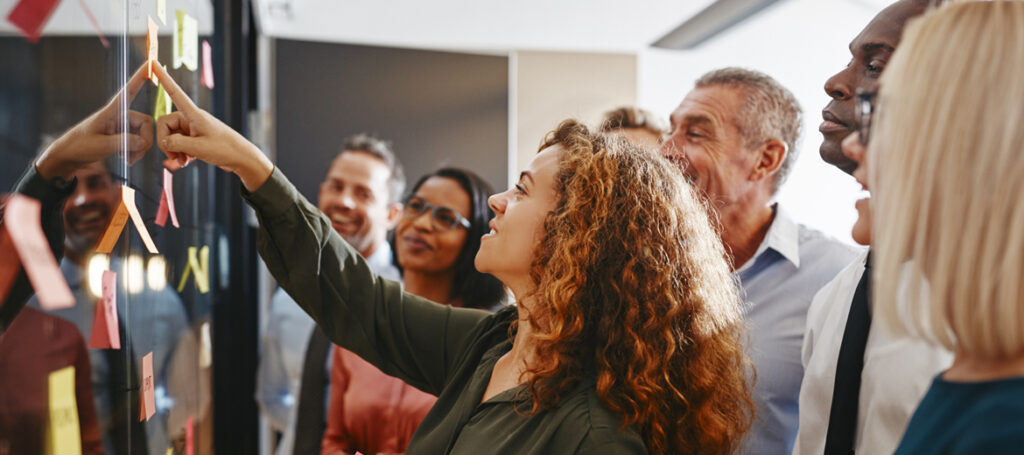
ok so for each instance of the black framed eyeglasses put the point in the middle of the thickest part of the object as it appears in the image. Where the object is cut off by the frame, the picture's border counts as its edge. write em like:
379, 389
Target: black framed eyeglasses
865, 111
442, 218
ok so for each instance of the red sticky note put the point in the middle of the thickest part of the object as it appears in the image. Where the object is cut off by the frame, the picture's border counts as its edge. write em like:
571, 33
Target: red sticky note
153, 45
147, 403
9, 265
104, 325
167, 202
31, 15
188, 437
125, 210
21, 220
207, 65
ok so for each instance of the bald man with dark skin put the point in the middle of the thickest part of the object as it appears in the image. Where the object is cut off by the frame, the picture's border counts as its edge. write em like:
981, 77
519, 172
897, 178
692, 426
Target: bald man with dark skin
861, 382
871, 51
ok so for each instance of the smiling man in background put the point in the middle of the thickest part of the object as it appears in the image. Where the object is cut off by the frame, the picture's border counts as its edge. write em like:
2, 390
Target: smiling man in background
360, 196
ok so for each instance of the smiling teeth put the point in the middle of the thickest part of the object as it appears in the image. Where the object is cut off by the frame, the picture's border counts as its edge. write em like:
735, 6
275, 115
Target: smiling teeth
90, 217
339, 218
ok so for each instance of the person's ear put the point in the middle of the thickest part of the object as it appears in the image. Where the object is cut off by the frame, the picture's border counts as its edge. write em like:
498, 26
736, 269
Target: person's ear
770, 157
394, 214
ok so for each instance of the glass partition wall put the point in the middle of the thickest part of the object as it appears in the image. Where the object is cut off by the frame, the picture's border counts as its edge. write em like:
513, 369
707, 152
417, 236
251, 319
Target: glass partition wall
137, 353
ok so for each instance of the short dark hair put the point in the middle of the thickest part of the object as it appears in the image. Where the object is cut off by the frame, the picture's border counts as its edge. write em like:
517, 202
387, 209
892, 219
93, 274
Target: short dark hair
770, 111
380, 149
631, 117
472, 288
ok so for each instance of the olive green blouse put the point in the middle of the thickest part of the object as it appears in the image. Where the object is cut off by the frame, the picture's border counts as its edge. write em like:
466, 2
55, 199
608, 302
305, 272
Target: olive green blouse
444, 351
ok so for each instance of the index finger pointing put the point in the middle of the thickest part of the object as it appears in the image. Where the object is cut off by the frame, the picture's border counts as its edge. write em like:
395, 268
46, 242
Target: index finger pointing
178, 96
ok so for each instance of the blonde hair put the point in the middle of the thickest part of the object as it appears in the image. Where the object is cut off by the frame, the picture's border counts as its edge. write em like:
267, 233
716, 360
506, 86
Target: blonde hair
948, 178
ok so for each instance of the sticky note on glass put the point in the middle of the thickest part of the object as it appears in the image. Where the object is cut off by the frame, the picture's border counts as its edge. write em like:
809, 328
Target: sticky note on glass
207, 65
62, 433
199, 267
161, 11
205, 356
186, 41
167, 201
153, 48
21, 225
104, 325
29, 16
163, 103
125, 209
189, 450
147, 403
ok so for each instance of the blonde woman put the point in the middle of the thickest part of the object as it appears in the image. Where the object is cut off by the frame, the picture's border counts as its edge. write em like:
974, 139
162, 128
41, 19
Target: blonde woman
948, 179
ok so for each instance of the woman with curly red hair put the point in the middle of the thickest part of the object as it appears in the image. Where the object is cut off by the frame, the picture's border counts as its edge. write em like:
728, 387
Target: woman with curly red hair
625, 338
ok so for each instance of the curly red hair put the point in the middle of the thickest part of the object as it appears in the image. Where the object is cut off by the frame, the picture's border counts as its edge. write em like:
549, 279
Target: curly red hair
633, 286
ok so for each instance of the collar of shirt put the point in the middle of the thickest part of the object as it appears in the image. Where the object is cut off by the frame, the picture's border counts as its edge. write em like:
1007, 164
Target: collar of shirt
783, 237
381, 263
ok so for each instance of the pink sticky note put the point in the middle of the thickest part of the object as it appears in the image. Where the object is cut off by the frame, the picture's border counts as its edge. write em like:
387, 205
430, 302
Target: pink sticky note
152, 46
167, 201
31, 15
104, 326
188, 437
147, 403
207, 65
21, 219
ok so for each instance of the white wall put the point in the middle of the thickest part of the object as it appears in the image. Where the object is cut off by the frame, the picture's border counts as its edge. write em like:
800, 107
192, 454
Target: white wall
800, 43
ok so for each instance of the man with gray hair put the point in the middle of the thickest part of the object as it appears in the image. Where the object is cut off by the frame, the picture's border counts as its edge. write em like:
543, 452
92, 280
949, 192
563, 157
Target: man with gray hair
360, 195
734, 136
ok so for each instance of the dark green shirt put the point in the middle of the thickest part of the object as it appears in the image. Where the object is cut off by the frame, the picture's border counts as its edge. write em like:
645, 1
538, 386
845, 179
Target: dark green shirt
445, 351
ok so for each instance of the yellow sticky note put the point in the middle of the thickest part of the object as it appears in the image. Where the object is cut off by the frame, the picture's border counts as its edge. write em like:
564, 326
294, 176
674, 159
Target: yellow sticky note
161, 11
62, 433
163, 103
152, 49
199, 267
169, 451
186, 41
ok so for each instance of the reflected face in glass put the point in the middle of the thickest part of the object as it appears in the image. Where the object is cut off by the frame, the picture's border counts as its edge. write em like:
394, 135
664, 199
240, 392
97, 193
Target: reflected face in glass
870, 52
88, 210
519, 213
430, 240
354, 196
706, 142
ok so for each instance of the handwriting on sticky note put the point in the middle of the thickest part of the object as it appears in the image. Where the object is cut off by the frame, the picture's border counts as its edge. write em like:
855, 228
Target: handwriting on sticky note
153, 47
29, 16
207, 65
21, 221
167, 201
62, 432
125, 209
163, 103
147, 401
105, 327
199, 267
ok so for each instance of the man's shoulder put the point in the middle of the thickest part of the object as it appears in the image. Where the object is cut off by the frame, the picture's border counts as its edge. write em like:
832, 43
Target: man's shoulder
824, 249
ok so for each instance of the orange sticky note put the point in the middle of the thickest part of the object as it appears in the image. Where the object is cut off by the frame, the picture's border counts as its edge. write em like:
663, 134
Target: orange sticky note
167, 201
207, 65
188, 437
125, 210
104, 326
21, 222
153, 45
147, 403
31, 15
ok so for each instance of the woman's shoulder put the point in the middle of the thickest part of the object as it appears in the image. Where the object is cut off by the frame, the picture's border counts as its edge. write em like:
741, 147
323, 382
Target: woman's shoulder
601, 428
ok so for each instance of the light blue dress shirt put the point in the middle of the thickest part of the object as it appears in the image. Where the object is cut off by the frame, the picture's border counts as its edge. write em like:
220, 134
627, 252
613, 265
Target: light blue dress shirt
778, 283
283, 353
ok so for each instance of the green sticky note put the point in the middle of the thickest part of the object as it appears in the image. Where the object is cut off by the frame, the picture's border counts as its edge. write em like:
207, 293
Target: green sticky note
163, 103
62, 433
186, 41
161, 11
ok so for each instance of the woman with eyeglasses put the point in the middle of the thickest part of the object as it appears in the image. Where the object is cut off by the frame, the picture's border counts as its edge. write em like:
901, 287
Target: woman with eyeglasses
436, 240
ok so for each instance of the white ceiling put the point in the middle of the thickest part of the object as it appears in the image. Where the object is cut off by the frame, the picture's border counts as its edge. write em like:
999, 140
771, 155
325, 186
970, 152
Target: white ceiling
488, 26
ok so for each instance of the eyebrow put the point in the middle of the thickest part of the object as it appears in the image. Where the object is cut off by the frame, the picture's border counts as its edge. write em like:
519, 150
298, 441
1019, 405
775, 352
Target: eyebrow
526, 174
868, 48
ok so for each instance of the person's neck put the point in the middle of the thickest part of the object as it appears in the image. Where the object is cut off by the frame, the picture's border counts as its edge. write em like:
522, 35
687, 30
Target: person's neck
76, 256
370, 250
968, 368
524, 348
744, 227
434, 286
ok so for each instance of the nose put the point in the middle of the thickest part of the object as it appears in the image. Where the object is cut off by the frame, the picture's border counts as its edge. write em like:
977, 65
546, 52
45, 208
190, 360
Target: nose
838, 86
497, 202
79, 198
422, 222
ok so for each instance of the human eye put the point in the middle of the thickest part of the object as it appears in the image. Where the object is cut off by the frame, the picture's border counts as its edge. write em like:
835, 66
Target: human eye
446, 217
520, 190
875, 67
415, 205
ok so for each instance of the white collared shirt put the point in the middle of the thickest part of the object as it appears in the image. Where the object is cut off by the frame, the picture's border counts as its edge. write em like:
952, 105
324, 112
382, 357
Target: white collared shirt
792, 263
897, 372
